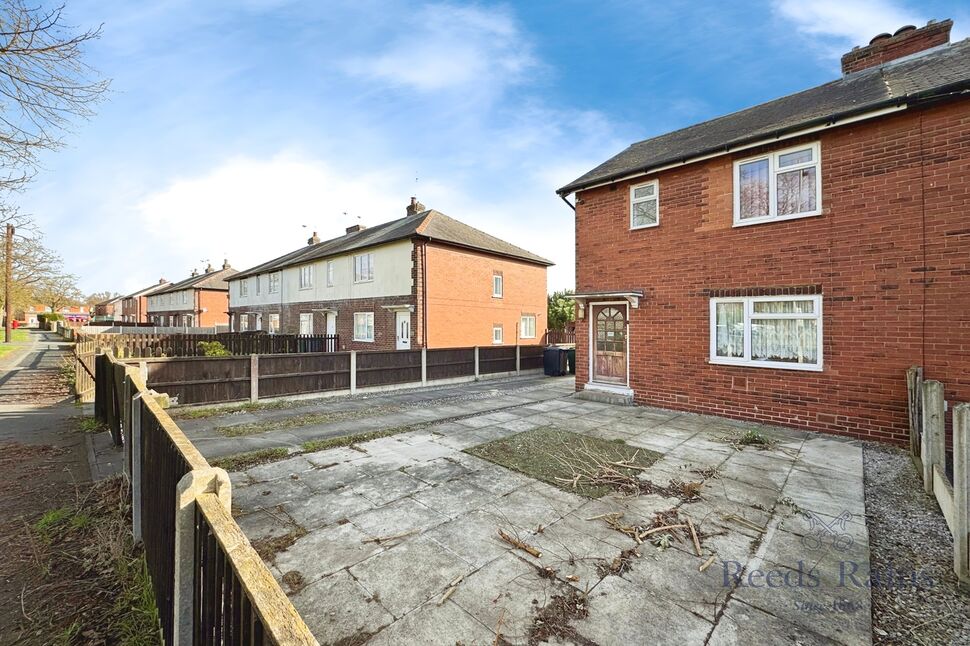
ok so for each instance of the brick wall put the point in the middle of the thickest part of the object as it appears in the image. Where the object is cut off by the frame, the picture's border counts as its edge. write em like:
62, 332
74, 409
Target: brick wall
213, 307
903, 43
385, 334
461, 308
890, 254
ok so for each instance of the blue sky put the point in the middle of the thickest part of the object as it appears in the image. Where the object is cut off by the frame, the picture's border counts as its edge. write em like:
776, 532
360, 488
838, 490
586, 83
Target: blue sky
231, 125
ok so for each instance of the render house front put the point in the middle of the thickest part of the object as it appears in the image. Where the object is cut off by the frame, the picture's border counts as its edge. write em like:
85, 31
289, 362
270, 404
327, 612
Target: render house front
134, 306
787, 263
201, 300
422, 280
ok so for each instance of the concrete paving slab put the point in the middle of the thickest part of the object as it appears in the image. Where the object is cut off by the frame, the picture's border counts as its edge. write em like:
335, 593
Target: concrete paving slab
744, 624
262, 524
473, 537
455, 497
406, 575
277, 470
387, 487
325, 551
338, 608
322, 509
332, 477
398, 517
435, 625
268, 495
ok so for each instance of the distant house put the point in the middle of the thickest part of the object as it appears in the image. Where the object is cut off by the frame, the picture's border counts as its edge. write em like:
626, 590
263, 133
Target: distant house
423, 280
109, 310
788, 262
201, 300
134, 306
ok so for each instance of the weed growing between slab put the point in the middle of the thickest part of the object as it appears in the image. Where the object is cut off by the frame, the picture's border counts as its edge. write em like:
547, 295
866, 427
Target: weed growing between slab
313, 446
90, 425
553, 621
296, 421
268, 548
215, 411
243, 461
567, 460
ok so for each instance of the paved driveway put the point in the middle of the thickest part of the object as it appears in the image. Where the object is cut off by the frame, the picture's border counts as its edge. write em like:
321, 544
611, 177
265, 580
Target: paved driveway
397, 541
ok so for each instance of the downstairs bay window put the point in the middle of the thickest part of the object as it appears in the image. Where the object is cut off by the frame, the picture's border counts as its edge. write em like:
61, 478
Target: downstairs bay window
767, 332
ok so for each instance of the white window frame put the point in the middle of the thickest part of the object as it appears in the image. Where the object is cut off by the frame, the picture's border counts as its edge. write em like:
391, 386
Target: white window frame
185, 298
522, 328
500, 339
330, 272
306, 276
256, 279
273, 324
498, 286
306, 316
244, 323
368, 322
273, 283
773, 172
243, 288
748, 302
358, 275
635, 200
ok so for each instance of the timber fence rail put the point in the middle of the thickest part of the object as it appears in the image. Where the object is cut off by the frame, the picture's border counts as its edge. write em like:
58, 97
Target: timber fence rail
210, 585
187, 345
930, 435
212, 380
560, 337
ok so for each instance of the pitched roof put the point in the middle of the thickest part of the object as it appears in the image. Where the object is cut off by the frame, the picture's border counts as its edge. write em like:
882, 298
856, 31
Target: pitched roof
145, 291
431, 225
212, 280
935, 72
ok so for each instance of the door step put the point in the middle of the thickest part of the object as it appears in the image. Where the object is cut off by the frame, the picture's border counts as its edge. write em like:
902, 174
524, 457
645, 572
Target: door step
605, 397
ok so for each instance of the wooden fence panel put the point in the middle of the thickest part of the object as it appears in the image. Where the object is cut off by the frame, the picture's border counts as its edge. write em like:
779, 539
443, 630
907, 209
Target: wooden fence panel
201, 380
386, 368
530, 357
187, 345
450, 363
296, 374
496, 359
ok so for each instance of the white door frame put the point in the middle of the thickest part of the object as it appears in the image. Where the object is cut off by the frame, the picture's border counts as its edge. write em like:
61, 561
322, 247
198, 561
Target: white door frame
406, 345
591, 348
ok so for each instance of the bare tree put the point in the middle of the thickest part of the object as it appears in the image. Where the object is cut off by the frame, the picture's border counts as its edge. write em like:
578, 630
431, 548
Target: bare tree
57, 291
44, 83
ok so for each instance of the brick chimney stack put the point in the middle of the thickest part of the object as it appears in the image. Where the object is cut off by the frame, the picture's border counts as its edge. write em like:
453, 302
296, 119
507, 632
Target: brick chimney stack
209, 268
162, 281
225, 263
415, 207
195, 272
356, 228
314, 239
888, 47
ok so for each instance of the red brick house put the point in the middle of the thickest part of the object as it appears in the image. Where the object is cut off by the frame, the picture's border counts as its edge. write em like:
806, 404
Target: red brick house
134, 306
787, 263
422, 280
201, 300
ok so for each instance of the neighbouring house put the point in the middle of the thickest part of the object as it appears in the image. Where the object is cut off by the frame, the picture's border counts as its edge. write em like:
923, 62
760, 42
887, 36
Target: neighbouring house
201, 300
423, 280
109, 310
787, 263
134, 306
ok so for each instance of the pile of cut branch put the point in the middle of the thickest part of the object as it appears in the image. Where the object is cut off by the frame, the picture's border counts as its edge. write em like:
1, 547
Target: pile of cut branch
666, 527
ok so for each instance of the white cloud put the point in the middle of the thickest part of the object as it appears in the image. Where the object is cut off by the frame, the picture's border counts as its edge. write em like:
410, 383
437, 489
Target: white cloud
842, 24
443, 46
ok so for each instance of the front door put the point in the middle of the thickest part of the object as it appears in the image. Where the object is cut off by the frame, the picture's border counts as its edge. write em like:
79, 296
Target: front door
403, 326
609, 340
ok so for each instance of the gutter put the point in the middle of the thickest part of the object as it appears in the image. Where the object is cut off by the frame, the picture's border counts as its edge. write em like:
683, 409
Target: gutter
886, 106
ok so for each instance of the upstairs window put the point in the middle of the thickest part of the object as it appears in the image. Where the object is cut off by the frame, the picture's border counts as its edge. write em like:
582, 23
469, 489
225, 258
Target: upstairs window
778, 186
364, 268
645, 205
306, 276
243, 287
274, 283
767, 331
498, 286
185, 298
257, 281
329, 273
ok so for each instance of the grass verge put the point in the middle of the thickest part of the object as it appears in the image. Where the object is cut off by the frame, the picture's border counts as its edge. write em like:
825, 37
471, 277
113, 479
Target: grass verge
242, 461
313, 446
297, 421
216, 411
556, 457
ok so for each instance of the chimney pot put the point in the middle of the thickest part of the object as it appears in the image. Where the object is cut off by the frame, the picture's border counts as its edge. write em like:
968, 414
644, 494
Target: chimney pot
195, 272
209, 269
905, 41
314, 239
414, 207
225, 263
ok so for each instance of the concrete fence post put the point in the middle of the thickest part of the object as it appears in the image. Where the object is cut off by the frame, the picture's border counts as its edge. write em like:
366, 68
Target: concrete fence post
192, 484
424, 366
353, 372
143, 372
961, 493
254, 378
477, 370
933, 439
134, 451
518, 358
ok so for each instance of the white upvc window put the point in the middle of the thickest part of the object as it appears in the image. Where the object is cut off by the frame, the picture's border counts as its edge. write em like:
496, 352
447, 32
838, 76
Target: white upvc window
185, 298
330, 270
364, 268
243, 287
645, 205
306, 323
257, 281
767, 332
306, 276
363, 326
243, 322
498, 286
527, 326
782, 185
259, 322
273, 324
274, 282
497, 335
